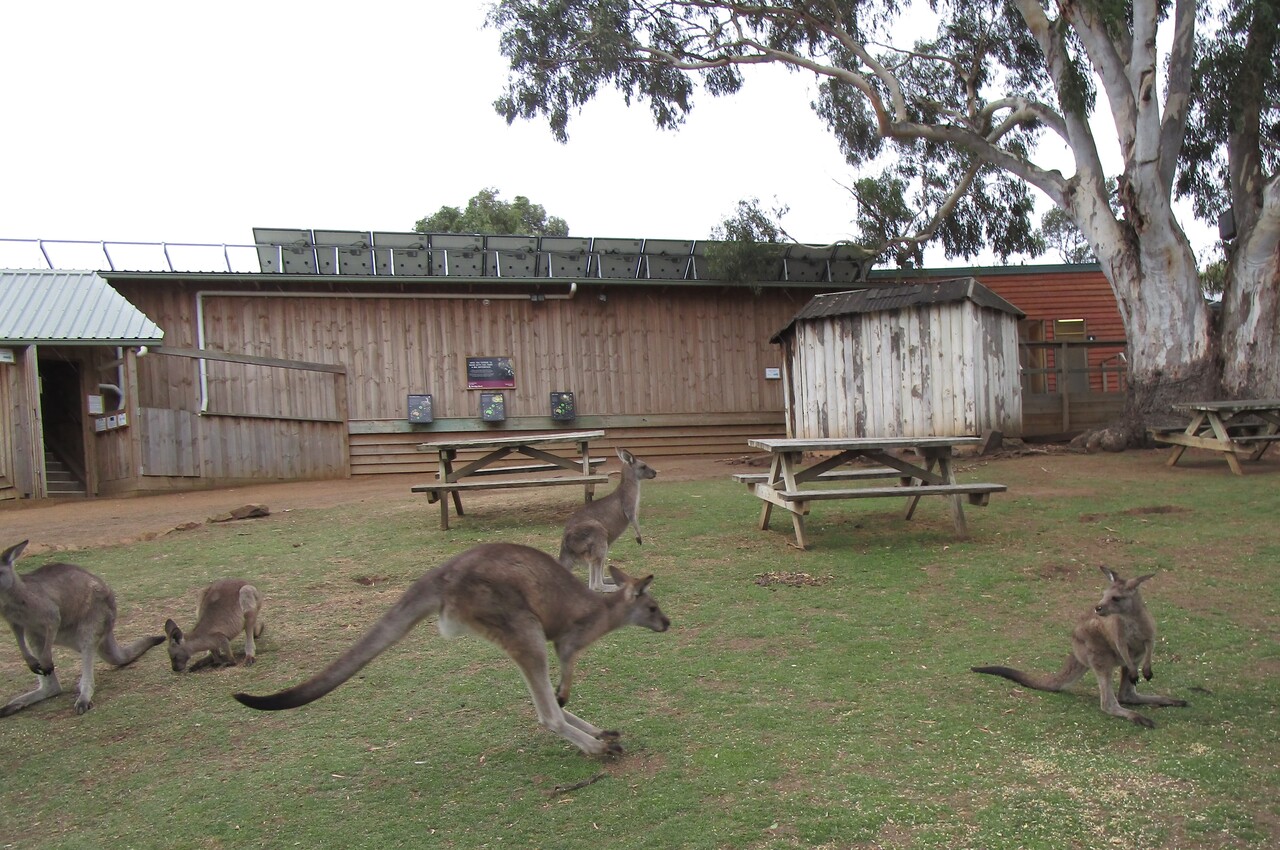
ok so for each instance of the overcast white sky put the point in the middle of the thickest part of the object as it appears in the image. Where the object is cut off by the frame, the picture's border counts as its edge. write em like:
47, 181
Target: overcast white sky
183, 122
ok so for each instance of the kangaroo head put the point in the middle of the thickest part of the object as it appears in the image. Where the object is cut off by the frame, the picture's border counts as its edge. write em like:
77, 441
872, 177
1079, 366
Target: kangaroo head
641, 469
179, 657
7, 559
642, 609
1121, 596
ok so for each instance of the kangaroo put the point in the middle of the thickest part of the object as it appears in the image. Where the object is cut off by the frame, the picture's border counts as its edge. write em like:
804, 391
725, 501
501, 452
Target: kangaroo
66, 605
227, 607
517, 598
593, 527
1118, 632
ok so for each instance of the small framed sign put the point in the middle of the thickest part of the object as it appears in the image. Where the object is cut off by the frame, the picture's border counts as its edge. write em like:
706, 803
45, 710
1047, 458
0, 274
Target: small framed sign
490, 373
420, 408
562, 407
493, 407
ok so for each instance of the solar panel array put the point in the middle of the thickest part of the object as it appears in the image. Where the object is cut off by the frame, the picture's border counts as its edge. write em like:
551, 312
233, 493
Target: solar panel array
412, 254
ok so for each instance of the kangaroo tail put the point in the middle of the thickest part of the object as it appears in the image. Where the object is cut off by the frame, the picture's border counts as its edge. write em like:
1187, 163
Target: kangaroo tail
421, 599
121, 656
1070, 672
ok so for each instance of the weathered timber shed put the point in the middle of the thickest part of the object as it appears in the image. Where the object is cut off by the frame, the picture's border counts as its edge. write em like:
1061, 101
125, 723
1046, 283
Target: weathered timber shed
68, 344
937, 359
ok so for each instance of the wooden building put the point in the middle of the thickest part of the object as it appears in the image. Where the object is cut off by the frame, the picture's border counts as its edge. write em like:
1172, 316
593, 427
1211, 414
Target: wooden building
318, 362
1072, 341
914, 360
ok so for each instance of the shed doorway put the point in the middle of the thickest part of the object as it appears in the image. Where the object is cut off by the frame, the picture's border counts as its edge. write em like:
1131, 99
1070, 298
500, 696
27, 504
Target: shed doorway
62, 425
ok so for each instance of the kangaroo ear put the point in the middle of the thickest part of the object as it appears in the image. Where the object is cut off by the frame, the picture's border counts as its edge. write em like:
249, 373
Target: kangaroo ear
172, 630
1140, 579
11, 554
619, 576
644, 584
625, 456
1110, 574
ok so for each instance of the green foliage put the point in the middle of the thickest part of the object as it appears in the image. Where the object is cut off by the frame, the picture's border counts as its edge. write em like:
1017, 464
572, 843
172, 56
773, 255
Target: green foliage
748, 245
1061, 234
818, 698
485, 213
1236, 87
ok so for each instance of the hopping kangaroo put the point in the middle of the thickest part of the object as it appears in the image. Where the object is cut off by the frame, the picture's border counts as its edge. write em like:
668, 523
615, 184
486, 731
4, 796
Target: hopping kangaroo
1118, 632
66, 605
227, 607
518, 598
594, 526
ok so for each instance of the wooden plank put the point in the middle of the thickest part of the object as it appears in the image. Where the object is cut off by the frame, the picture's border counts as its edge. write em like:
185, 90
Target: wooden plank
455, 486
829, 475
891, 492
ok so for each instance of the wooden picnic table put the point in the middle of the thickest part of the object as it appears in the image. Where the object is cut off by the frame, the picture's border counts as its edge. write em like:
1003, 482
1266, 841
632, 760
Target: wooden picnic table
1247, 427
449, 483
789, 482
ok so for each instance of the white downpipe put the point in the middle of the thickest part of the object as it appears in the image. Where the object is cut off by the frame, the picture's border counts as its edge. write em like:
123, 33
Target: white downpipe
409, 296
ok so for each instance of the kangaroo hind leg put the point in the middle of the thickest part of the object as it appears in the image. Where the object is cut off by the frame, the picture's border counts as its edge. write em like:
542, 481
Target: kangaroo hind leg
1129, 696
1109, 703
527, 647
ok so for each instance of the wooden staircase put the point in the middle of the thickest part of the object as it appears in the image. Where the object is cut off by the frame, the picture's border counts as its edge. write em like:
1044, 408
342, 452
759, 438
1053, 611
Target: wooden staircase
60, 481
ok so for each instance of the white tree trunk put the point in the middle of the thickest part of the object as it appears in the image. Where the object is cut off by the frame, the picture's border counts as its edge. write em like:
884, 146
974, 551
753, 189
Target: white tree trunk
1251, 306
1166, 319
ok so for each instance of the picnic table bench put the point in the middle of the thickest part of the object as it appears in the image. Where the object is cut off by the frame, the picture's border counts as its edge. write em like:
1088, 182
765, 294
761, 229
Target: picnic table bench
1233, 428
789, 482
580, 469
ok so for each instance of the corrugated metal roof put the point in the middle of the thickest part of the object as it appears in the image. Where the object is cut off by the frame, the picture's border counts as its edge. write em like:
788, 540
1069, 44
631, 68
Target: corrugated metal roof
69, 308
885, 298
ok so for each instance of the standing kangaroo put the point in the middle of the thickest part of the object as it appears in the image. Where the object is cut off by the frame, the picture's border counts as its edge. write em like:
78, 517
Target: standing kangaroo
66, 605
227, 607
517, 598
594, 526
1118, 632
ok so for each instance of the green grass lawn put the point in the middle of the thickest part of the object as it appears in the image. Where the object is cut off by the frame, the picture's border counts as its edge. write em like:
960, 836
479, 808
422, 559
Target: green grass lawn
801, 699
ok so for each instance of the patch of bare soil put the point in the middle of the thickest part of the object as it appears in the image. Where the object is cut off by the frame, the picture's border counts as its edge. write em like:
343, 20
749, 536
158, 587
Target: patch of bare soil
54, 525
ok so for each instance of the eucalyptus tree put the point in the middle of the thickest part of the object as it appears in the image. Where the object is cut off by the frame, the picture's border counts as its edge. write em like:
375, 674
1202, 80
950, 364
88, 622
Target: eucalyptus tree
486, 213
1005, 97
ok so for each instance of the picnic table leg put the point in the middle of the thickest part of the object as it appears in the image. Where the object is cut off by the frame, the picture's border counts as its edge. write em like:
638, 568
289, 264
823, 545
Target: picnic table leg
1196, 422
446, 476
1220, 431
444, 512
957, 506
585, 453
797, 524
766, 510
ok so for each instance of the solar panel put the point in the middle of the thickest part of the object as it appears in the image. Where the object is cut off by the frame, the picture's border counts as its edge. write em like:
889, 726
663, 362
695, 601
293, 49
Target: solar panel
512, 256
344, 252
459, 254
667, 259
566, 256
288, 251
804, 263
401, 253
618, 258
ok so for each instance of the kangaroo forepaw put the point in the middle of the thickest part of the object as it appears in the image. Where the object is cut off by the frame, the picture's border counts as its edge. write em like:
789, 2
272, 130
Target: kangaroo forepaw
40, 669
248, 660
639, 542
83, 705
612, 748
1146, 673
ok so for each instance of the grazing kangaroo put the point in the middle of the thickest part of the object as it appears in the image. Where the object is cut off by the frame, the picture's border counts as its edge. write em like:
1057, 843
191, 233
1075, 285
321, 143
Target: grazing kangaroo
593, 527
66, 605
518, 598
1118, 632
227, 607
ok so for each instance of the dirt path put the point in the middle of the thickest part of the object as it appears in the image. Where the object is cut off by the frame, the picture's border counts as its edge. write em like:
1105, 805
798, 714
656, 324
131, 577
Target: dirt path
58, 524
